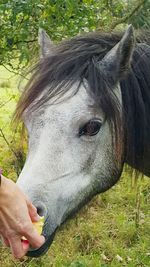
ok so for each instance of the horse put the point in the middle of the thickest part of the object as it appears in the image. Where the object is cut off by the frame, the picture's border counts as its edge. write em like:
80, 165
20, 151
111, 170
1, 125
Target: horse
86, 108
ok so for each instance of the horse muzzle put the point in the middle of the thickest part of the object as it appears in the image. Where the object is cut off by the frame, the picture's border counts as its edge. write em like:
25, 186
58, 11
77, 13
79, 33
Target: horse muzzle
35, 253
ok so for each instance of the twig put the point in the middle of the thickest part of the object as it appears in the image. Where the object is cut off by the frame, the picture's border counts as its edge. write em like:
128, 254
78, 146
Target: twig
3, 104
8, 144
138, 202
12, 71
25, 41
127, 17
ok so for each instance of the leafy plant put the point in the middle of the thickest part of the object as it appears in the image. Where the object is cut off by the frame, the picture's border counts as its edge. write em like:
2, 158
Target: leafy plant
21, 19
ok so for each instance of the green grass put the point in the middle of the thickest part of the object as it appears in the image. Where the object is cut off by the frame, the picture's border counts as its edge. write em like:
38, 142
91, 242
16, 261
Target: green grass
104, 233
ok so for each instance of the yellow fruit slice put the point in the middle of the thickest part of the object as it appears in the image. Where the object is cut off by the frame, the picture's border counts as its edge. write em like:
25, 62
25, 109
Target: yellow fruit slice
38, 226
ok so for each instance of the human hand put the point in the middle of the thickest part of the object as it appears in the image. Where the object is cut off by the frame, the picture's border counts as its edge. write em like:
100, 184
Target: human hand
16, 216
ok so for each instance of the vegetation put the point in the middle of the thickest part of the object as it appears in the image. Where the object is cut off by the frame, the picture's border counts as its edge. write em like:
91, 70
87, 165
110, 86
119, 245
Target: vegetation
21, 19
113, 230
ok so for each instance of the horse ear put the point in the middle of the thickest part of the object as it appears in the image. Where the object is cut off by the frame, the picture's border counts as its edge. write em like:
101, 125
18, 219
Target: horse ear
118, 60
46, 45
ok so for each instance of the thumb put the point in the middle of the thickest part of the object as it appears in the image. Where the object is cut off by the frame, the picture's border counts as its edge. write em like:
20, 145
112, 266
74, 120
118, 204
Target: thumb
32, 212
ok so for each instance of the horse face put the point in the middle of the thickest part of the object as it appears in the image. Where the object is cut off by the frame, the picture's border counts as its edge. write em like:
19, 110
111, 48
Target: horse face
70, 157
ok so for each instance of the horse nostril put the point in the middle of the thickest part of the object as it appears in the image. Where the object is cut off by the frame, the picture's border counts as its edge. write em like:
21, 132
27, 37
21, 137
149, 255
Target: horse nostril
41, 209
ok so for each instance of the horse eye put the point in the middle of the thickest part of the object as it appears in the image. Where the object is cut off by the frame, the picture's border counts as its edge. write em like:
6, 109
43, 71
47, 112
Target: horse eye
91, 128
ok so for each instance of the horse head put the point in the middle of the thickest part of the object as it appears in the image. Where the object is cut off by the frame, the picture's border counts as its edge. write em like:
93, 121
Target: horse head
72, 109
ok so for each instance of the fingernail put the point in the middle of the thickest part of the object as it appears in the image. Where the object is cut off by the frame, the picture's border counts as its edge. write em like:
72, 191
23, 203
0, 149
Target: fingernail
37, 217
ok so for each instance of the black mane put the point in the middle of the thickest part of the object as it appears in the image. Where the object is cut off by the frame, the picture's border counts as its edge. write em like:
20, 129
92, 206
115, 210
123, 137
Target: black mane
136, 102
75, 59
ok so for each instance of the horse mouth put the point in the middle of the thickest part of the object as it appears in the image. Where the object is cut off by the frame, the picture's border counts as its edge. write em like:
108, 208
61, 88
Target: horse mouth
35, 253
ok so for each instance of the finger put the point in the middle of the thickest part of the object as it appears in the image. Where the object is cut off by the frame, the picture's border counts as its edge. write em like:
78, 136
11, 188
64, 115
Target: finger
33, 212
34, 238
31, 208
17, 247
5, 241
25, 244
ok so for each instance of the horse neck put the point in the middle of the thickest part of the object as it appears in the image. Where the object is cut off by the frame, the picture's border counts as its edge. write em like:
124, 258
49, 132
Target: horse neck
136, 108
137, 156
137, 150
